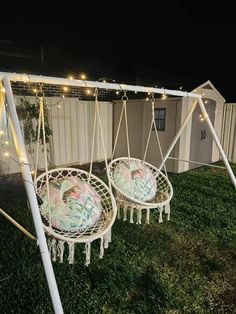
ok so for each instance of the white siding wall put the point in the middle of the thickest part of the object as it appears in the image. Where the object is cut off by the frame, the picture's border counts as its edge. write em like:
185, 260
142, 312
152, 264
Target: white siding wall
228, 137
72, 125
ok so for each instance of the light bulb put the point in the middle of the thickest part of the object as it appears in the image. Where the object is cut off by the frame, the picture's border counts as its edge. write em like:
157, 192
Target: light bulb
104, 81
117, 92
63, 96
33, 172
6, 142
35, 90
136, 92
59, 106
88, 91
70, 77
163, 96
1, 132
3, 90
147, 99
65, 88
6, 154
83, 76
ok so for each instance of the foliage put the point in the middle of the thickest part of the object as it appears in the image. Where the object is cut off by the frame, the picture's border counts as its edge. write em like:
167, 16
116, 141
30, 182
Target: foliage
29, 112
186, 265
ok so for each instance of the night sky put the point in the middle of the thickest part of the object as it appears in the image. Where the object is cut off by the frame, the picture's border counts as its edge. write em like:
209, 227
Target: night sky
170, 45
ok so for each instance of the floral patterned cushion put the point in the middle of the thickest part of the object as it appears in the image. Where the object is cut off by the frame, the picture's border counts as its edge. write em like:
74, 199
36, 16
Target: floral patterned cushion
136, 180
75, 205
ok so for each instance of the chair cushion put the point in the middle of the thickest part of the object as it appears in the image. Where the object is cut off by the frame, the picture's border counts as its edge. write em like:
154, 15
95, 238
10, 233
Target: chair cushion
75, 205
135, 179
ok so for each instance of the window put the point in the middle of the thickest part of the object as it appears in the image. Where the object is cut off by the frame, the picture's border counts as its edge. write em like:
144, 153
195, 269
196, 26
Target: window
160, 119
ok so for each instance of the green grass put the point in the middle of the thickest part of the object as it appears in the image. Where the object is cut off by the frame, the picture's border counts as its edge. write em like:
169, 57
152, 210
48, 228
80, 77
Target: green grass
185, 265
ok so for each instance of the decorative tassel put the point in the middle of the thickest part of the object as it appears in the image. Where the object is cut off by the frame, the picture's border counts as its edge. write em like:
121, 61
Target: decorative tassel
125, 213
106, 240
88, 253
118, 211
101, 248
160, 214
148, 216
139, 216
167, 210
71, 257
60, 250
54, 250
131, 220
109, 235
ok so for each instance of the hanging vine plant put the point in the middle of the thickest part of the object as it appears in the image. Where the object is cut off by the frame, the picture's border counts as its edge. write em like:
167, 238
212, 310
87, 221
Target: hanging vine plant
29, 113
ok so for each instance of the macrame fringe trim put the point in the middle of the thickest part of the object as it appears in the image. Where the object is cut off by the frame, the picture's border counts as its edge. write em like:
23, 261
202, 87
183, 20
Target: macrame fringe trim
132, 210
57, 248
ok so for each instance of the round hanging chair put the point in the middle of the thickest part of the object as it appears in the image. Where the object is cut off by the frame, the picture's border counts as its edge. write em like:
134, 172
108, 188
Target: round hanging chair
105, 218
76, 206
138, 184
128, 201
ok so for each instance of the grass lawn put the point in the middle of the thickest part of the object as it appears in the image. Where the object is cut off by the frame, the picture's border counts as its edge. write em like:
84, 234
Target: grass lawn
185, 265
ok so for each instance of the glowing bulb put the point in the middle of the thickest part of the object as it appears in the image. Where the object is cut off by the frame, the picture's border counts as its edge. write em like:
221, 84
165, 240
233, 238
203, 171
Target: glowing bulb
147, 99
59, 106
136, 92
70, 77
163, 96
201, 119
104, 81
65, 88
149, 93
3, 90
63, 96
1, 132
35, 90
83, 76
117, 92
6, 142
6, 154
25, 78
32, 172
88, 91
206, 101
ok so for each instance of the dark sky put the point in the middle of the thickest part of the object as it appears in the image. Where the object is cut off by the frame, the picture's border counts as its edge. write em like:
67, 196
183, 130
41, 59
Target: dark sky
169, 43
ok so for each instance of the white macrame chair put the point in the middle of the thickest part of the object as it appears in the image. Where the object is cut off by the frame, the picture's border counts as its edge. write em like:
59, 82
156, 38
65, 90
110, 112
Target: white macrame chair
102, 228
164, 191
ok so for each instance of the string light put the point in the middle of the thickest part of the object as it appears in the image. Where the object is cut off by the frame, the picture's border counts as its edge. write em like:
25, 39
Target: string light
117, 92
83, 76
163, 96
35, 90
59, 106
63, 96
104, 81
6, 154
65, 88
71, 77
32, 172
147, 98
136, 92
88, 91
6, 142
3, 90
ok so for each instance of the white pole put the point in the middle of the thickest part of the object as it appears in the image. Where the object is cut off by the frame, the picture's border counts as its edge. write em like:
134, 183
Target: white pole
213, 132
28, 78
29, 186
177, 136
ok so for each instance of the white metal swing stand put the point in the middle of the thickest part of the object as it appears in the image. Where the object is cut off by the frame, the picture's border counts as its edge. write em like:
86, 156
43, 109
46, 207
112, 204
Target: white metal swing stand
6, 78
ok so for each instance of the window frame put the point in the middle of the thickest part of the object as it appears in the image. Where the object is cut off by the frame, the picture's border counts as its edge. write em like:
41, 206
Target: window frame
158, 119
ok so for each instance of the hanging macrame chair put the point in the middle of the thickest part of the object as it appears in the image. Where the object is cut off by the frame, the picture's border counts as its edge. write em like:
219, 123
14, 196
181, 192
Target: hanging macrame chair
139, 185
76, 206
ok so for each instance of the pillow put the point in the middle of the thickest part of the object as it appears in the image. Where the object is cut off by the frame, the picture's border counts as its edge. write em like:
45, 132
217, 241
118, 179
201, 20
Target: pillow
136, 180
75, 205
